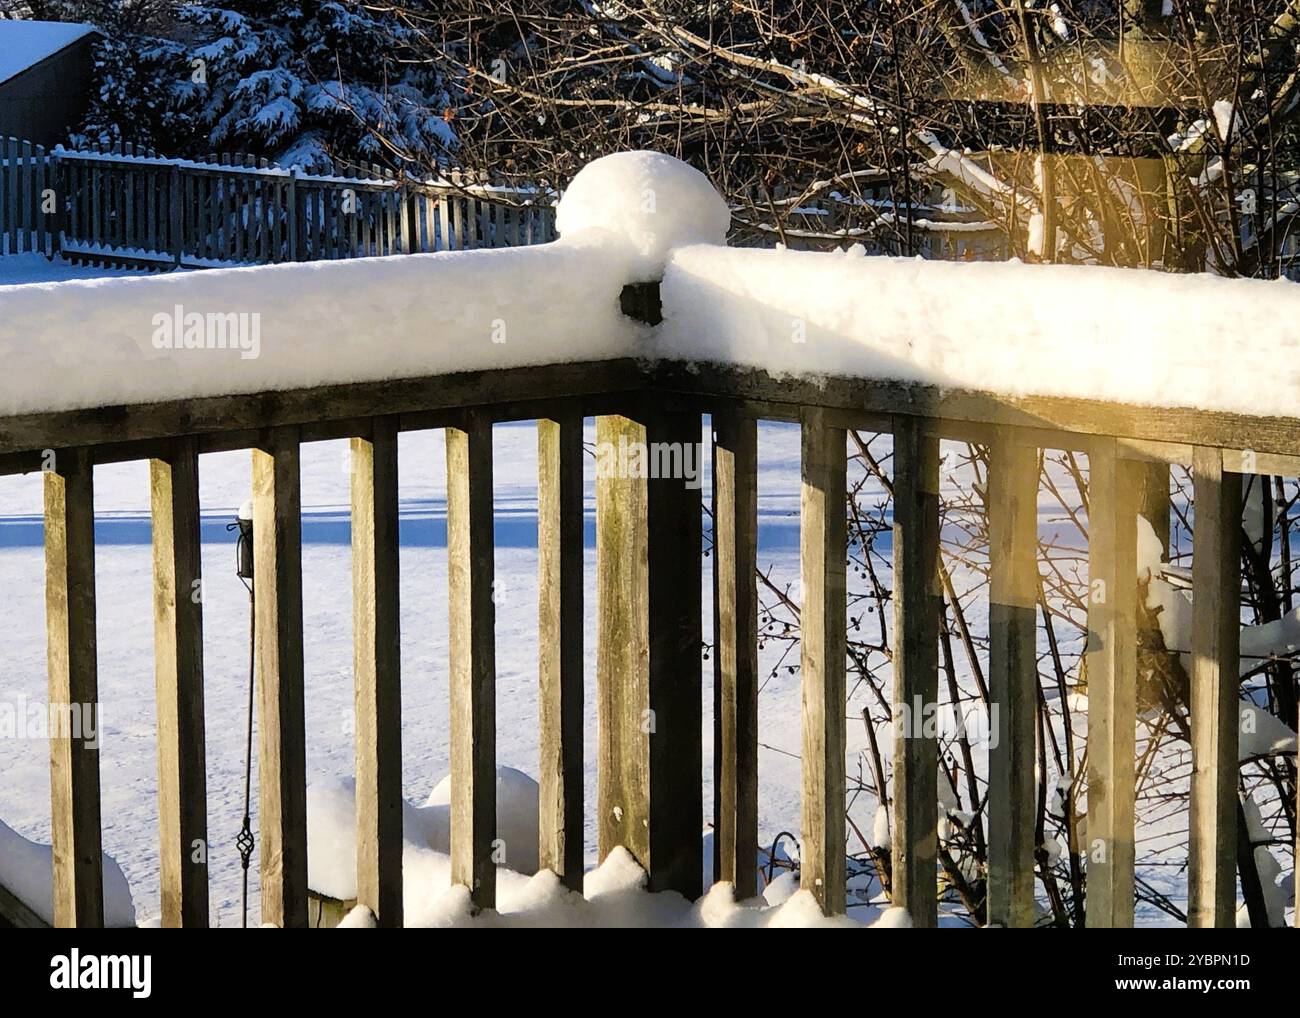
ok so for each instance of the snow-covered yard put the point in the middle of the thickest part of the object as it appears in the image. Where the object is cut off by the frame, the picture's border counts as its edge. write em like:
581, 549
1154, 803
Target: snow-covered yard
37, 268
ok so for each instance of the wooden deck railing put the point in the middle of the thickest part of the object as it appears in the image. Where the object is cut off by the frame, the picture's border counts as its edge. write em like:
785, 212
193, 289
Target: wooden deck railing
649, 633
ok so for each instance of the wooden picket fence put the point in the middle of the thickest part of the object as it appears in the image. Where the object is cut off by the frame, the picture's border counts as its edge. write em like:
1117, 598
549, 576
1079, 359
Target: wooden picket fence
131, 206
25, 226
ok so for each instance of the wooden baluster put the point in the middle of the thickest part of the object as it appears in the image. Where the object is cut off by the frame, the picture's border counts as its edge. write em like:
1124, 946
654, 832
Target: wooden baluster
823, 538
178, 673
1013, 678
648, 666
277, 592
735, 652
9, 156
1112, 684
377, 671
1216, 631
473, 657
78, 874
917, 602
560, 645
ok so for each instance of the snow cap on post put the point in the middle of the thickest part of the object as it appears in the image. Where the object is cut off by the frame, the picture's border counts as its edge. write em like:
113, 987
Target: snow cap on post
649, 201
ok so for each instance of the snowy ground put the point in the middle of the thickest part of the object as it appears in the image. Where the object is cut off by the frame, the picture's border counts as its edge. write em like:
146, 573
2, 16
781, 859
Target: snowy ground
36, 268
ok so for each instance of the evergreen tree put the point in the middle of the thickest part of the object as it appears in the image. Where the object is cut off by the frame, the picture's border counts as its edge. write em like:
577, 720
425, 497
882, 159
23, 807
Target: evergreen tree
308, 83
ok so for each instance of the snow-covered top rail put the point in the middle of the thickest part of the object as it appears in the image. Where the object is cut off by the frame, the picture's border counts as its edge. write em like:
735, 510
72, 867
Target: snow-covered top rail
1139, 338
1117, 335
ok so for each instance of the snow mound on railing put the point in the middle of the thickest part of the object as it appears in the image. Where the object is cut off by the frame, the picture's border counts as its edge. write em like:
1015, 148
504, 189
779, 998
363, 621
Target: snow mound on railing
650, 202
1120, 335
220, 332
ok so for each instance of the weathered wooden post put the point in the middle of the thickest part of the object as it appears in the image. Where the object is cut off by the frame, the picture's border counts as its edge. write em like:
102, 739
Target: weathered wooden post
823, 537
1013, 677
282, 754
178, 670
78, 876
1216, 633
735, 651
648, 648
917, 603
377, 671
472, 642
174, 217
1113, 495
560, 644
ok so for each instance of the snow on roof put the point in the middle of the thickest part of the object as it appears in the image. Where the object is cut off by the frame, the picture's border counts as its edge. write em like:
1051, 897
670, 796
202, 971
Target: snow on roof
24, 44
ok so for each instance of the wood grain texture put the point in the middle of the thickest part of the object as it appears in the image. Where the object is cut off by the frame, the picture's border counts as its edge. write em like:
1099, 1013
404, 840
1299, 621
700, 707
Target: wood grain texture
560, 645
735, 650
1216, 628
622, 649
649, 697
916, 670
78, 870
1113, 493
1013, 678
277, 594
472, 644
507, 394
178, 680
854, 398
823, 537
674, 509
377, 671
521, 393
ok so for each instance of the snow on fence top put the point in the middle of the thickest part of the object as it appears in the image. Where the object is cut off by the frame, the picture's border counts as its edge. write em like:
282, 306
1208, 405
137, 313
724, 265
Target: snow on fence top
1127, 336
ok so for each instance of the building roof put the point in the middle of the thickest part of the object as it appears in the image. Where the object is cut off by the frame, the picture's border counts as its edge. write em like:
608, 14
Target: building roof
25, 44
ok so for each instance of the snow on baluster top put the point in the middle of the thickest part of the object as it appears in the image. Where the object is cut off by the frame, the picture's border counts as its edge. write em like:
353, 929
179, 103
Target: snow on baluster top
650, 201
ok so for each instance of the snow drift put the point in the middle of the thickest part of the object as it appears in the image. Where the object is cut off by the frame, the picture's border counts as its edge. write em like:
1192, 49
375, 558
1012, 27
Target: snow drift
614, 894
27, 871
645, 202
